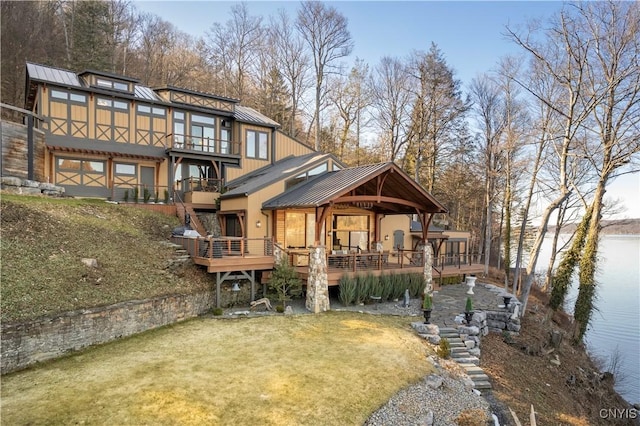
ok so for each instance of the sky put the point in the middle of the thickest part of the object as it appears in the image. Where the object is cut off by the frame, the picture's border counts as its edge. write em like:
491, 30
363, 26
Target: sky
470, 35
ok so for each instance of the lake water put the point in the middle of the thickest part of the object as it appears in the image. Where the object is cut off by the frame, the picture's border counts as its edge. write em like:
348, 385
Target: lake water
617, 322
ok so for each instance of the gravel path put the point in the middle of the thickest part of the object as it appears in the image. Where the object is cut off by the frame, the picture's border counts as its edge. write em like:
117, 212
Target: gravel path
441, 399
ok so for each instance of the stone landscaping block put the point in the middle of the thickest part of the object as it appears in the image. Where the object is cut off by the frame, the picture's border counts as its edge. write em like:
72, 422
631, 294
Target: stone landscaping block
11, 181
422, 328
470, 344
469, 330
30, 183
475, 352
497, 325
513, 327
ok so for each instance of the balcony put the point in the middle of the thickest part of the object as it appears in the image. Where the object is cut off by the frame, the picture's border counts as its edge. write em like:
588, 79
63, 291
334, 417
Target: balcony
200, 190
199, 144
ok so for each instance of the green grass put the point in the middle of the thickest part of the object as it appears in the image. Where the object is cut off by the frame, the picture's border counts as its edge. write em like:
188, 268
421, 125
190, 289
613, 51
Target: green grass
334, 368
43, 242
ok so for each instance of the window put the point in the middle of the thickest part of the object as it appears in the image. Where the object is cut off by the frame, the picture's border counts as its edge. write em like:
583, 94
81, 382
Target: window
146, 109
300, 229
203, 133
257, 144
104, 102
74, 97
120, 105
58, 94
109, 84
125, 169
306, 175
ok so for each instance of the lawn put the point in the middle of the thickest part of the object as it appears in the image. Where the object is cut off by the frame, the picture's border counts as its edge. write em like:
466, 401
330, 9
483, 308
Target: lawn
334, 368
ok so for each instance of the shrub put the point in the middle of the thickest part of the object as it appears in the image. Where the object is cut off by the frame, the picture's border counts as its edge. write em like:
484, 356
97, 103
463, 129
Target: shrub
155, 198
444, 348
347, 290
126, 196
427, 302
279, 309
385, 286
136, 194
362, 289
375, 286
398, 286
146, 195
217, 311
166, 196
416, 284
284, 281
469, 305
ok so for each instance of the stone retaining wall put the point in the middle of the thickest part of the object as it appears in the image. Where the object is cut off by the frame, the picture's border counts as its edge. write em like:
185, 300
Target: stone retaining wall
21, 186
26, 343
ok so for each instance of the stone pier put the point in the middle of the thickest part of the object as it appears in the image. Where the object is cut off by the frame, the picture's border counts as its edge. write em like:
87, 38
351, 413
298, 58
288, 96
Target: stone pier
317, 282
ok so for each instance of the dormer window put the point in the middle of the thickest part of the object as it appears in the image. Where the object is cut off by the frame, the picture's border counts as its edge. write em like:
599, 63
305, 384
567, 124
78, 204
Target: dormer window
111, 84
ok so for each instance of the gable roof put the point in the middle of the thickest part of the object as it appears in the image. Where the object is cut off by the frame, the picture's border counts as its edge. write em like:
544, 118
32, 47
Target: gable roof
265, 176
385, 186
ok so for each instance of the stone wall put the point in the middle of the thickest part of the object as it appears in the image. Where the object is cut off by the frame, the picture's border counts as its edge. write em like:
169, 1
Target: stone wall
21, 186
14, 151
26, 343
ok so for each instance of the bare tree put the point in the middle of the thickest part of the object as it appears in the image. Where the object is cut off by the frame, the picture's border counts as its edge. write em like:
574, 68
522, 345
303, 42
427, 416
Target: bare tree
349, 95
612, 70
233, 48
325, 31
561, 55
489, 110
294, 64
392, 100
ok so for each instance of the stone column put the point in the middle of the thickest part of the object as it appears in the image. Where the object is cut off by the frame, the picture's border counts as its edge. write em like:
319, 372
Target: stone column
427, 271
318, 281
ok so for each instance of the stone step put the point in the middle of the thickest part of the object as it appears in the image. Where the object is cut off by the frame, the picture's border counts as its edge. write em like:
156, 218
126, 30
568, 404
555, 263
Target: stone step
482, 385
466, 359
458, 344
448, 330
449, 336
460, 349
479, 378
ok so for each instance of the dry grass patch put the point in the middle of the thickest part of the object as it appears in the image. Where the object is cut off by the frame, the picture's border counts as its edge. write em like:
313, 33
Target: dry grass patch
333, 368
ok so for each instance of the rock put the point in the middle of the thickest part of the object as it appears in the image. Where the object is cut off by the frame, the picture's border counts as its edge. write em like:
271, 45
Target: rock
475, 352
469, 330
89, 262
555, 338
470, 344
288, 310
11, 181
468, 383
30, 183
434, 381
434, 339
555, 361
428, 419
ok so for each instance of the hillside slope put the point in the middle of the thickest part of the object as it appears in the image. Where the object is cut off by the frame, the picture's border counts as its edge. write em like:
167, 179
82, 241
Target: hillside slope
43, 242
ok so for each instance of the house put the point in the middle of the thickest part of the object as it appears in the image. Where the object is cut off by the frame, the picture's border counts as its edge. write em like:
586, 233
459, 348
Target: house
249, 190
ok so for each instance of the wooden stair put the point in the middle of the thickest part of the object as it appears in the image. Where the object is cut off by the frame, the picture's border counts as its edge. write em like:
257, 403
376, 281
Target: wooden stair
182, 209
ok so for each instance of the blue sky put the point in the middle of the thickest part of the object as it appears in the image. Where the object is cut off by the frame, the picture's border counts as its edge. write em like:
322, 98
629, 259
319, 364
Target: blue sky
469, 34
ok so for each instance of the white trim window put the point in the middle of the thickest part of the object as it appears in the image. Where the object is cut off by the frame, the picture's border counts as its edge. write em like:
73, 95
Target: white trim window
257, 144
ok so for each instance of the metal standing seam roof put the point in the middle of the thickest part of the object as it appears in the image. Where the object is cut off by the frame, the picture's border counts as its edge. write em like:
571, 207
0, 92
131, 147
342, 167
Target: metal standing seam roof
332, 185
250, 115
53, 75
321, 189
70, 79
262, 177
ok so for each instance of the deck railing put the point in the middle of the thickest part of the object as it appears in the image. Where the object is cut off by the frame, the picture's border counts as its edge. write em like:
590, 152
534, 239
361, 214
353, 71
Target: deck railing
201, 184
202, 144
218, 248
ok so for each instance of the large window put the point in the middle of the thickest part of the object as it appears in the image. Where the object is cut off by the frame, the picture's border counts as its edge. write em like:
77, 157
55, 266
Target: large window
351, 232
300, 229
203, 133
257, 144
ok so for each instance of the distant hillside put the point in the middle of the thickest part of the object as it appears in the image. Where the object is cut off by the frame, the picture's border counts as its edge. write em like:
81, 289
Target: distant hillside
609, 227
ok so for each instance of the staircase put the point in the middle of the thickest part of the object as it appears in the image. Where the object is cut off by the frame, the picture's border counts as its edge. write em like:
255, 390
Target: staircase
468, 362
182, 210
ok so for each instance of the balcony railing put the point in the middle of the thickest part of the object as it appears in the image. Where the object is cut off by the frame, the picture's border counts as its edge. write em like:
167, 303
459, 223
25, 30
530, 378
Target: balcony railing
202, 144
200, 184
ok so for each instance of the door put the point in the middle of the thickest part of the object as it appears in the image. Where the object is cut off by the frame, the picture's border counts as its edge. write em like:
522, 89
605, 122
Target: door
147, 179
398, 239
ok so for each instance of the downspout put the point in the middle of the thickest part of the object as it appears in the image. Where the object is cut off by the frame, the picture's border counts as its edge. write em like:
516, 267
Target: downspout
273, 145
